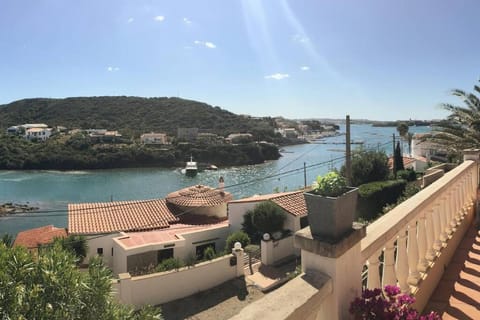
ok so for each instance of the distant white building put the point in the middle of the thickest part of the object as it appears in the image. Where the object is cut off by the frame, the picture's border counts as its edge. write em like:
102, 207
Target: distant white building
424, 148
38, 133
34, 125
238, 138
153, 138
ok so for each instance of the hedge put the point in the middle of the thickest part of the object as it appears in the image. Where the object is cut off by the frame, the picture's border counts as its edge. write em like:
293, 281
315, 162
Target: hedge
373, 196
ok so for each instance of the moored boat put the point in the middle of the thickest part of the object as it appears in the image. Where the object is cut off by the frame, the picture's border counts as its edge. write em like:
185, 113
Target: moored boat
191, 168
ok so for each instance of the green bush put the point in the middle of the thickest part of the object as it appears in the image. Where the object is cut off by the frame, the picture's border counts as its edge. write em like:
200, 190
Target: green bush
331, 185
209, 253
169, 264
409, 175
373, 196
237, 236
368, 166
267, 217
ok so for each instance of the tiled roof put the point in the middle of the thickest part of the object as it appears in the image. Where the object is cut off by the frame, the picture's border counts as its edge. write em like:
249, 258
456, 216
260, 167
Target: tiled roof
406, 161
198, 196
43, 235
292, 202
134, 239
97, 218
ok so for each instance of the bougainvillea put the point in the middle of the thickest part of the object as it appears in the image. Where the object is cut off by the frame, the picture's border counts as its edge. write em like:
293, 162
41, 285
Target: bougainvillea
388, 304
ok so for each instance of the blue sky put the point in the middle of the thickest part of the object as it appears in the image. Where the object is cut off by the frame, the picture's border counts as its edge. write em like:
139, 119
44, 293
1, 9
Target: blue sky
381, 60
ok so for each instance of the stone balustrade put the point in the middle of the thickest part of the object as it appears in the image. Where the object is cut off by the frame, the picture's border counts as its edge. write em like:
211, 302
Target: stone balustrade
402, 247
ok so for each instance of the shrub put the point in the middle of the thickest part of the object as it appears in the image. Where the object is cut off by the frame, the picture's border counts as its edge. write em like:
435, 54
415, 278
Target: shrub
209, 253
387, 304
368, 166
372, 197
237, 236
169, 264
409, 175
267, 217
331, 185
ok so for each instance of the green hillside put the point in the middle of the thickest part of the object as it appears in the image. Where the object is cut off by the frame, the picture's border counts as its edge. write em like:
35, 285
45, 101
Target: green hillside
131, 115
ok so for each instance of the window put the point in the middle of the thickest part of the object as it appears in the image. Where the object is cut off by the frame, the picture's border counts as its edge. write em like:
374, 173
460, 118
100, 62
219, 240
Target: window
112, 252
200, 249
164, 254
100, 251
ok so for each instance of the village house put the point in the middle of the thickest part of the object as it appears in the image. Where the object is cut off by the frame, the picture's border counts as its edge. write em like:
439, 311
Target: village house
131, 236
40, 134
154, 138
239, 138
33, 238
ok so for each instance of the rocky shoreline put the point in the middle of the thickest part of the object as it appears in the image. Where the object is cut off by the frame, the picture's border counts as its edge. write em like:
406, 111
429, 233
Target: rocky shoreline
12, 208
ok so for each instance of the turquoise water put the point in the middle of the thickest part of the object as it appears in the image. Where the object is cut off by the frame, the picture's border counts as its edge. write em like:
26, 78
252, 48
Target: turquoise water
53, 190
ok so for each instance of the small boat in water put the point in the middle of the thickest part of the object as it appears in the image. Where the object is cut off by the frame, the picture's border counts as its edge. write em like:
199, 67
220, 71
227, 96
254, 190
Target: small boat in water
191, 168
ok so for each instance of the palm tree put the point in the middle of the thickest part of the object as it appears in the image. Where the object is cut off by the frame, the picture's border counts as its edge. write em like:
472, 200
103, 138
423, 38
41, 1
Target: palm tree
461, 129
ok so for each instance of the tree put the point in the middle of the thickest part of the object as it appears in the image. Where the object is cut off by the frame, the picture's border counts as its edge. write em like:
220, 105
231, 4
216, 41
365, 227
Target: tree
402, 129
7, 239
50, 286
461, 129
368, 166
398, 159
237, 236
267, 217
75, 244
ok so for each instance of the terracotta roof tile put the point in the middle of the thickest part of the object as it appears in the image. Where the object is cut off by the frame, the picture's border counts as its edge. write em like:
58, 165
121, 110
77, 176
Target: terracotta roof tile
97, 218
33, 237
406, 161
292, 202
198, 196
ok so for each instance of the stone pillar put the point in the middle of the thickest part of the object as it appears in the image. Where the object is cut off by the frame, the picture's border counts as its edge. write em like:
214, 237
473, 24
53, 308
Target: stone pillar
125, 288
267, 252
238, 253
341, 261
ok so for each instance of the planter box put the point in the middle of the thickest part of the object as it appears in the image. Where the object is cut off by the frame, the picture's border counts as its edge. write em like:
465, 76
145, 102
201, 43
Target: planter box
331, 218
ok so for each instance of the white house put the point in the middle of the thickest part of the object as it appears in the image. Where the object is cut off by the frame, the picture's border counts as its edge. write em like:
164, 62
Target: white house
132, 235
424, 148
292, 203
153, 138
38, 133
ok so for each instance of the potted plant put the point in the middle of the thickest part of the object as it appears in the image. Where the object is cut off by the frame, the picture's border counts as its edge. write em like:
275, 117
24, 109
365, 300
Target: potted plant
331, 206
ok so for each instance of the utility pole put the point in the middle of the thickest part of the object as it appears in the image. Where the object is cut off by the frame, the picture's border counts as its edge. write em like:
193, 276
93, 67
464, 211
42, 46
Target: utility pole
305, 175
393, 157
348, 153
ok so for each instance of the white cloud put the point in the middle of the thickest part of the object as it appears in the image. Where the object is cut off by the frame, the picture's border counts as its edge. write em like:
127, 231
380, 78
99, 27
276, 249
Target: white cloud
113, 69
207, 44
159, 18
130, 20
187, 21
278, 76
300, 38
210, 45
304, 68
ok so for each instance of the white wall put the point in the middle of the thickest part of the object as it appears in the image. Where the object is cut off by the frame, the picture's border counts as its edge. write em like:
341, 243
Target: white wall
106, 242
236, 211
158, 288
275, 250
185, 245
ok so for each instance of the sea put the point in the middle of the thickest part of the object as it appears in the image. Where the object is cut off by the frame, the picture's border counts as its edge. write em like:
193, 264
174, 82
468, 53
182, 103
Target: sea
51, 191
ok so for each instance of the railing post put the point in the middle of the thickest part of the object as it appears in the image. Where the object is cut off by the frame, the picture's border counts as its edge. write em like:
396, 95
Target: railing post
443, 220
401, 264
373, 280
448, 214
437, 244
422, 244
412, 252
389, 277
430, 255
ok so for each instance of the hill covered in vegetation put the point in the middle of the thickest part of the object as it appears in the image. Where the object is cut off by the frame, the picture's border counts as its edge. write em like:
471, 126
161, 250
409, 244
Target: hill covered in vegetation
132, 116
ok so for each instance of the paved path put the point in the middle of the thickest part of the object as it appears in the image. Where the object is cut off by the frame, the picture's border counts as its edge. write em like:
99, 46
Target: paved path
457, 296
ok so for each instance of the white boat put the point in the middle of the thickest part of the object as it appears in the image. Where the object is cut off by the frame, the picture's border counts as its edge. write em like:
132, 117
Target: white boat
191, 168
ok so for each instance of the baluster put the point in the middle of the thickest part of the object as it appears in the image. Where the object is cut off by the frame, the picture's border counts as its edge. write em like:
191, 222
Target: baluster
389, 277
448, 213
463, 197
451, 209
412, 252
442, 219
401, 264
422, 244
437, 244
458, 205
373, 280
431, 254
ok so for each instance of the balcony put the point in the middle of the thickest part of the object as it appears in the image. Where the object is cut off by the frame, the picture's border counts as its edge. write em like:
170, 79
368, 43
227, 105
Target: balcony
427, 237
